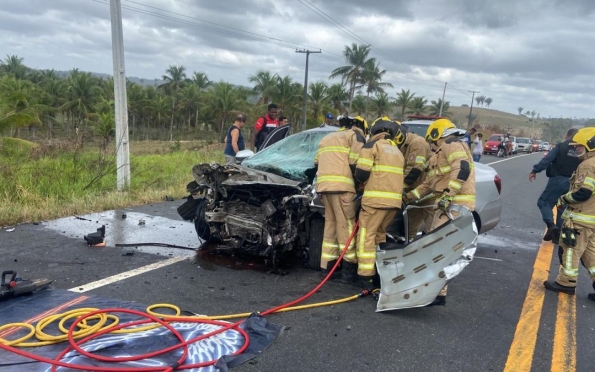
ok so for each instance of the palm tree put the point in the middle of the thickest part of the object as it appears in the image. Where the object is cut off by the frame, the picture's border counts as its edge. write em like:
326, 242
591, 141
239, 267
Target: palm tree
160, 107
201, 80
17, 103
190, 97
264, 84
104, 126
318, 100
357, 59
520, 110
533, 113
381, 105
287, 93
478, 100
13, 65
136, 97
418, 105
82, 94
338, 96
223, 100
372, 79
173, 82
404, 101
488, 101
358, 105
435, 108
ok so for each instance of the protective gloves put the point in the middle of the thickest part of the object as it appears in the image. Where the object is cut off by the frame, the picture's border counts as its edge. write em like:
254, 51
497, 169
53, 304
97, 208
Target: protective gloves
561, 201
444, 202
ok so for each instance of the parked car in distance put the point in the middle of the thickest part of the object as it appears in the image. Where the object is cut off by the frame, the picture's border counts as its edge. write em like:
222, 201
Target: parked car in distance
546, 146
515, 145
525, 145
491, 145
536, 145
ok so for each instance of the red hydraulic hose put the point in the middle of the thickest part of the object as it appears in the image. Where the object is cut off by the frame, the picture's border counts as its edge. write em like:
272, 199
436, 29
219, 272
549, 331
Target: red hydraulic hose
74, 344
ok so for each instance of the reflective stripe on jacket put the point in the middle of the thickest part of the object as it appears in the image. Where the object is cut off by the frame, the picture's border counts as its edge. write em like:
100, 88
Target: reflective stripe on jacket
582, 213
416, 152
451, 171
336, 158
382, 162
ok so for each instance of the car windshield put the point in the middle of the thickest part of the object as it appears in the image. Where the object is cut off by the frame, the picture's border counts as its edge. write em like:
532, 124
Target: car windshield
494, 138
523, 140
290, 157
420, 129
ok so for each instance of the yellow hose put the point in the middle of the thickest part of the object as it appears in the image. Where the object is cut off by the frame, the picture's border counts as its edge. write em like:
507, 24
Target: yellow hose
85, 329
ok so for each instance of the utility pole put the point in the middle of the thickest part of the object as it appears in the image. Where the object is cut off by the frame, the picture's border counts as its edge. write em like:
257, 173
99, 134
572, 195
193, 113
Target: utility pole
120, 101
442, 102
305, 83
471, 108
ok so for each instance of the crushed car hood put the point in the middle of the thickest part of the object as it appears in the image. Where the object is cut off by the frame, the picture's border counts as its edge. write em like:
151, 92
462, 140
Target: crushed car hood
234, 175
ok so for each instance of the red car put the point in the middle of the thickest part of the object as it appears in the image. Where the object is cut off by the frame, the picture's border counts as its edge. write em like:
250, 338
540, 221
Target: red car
491, 145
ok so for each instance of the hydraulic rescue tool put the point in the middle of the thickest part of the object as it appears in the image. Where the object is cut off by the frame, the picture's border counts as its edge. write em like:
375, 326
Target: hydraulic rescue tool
11, 286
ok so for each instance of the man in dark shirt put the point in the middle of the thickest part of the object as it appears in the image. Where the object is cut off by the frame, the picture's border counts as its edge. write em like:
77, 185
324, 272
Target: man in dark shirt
234, 141
559, 163
263, 127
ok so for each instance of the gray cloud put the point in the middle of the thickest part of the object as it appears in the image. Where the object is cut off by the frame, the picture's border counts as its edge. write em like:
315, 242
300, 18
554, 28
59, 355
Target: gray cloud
533, 53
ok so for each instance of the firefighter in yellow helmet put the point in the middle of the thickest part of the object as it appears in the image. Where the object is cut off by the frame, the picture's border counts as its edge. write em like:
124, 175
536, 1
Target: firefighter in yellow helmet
450, 176
335, 159
577, 237
380, 167
416, 152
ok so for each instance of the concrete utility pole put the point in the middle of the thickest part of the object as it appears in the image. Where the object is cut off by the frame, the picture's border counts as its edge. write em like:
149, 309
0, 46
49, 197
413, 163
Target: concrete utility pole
442, 102
471, 108
305, 83
120, 101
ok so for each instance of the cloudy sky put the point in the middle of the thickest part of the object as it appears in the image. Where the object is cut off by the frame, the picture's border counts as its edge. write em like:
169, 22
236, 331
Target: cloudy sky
537, 54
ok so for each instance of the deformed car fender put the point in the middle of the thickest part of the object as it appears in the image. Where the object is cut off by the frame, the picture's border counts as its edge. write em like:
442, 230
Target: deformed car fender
412, 275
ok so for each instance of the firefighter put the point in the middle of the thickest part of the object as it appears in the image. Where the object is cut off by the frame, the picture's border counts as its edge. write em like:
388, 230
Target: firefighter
416, 152
450, 176
380, 168
335, 159
577, 237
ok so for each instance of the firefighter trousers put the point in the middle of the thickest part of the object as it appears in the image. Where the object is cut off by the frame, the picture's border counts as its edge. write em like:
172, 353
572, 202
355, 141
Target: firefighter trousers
372, 231
339, 221
571, 257
418, 216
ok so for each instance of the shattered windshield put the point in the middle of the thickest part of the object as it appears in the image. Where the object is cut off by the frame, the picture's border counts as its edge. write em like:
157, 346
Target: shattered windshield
290, 157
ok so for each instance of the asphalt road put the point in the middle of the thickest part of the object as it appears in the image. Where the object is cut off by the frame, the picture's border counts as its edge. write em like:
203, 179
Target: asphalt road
497, 317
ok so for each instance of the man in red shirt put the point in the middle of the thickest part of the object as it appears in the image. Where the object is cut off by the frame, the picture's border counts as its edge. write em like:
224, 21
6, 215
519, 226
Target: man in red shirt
263, 127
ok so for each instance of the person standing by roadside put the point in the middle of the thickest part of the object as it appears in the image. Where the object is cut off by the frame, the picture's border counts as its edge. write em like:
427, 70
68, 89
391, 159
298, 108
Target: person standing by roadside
328, 120
263, 127
477, 147
559, 164
578, 233
283, 120
234, 140
467, 137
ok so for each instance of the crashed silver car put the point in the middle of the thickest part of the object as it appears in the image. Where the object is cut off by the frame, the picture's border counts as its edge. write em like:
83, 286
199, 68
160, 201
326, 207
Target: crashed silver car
267, 206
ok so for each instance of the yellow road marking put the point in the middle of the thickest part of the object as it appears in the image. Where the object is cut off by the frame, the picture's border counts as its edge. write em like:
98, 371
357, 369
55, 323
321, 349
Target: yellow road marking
520, 355
564, 354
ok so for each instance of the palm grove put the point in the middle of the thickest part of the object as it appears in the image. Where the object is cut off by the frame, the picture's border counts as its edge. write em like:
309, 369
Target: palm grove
188, 105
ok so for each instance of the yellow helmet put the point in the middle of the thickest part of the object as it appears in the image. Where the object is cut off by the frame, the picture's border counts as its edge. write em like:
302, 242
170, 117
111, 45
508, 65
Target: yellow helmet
437, 128
585, 137
401, 135
362, 124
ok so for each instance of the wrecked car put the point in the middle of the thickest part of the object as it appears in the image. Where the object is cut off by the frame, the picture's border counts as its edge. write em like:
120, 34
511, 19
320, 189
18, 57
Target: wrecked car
267, 205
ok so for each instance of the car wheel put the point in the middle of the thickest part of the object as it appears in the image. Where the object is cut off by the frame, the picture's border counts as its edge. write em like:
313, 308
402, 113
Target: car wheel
315, 242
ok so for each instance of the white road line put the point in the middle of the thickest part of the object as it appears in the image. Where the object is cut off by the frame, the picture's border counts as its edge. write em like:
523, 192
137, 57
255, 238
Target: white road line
511, 158
487, 258
126, 275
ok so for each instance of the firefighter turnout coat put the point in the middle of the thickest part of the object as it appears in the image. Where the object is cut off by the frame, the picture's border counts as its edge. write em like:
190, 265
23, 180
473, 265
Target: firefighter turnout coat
450, 172
416, 152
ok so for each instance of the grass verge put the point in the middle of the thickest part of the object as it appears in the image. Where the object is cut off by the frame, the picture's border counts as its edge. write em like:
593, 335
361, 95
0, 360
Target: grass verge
68, 182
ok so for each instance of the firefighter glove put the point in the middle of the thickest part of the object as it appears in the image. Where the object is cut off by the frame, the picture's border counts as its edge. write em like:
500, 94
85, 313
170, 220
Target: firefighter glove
561, 201
444, 202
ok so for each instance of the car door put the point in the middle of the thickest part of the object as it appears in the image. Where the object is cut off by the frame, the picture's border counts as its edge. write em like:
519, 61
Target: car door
275, 136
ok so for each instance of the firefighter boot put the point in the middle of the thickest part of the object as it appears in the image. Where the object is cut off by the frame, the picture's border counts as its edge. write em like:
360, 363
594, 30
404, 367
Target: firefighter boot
329, 267
554, 286
591, 296
349, 273
365, 282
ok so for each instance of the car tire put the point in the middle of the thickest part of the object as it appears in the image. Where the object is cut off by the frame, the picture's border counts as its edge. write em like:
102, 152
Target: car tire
315, 242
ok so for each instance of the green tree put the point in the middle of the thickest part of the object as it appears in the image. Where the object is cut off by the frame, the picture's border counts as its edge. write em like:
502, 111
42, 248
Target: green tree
520, 110
488, 101
223, 100
13, 65
265, 84
381, 105
435, 108
358, 105
404, 101
357, 59
201, 80
338, 96
104, 126
174, 79
418, 106
372, 80
318, 100
82, 94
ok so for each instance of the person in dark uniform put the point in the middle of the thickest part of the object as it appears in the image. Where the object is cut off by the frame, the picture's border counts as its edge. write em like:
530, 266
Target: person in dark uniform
263, 127
559, 164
